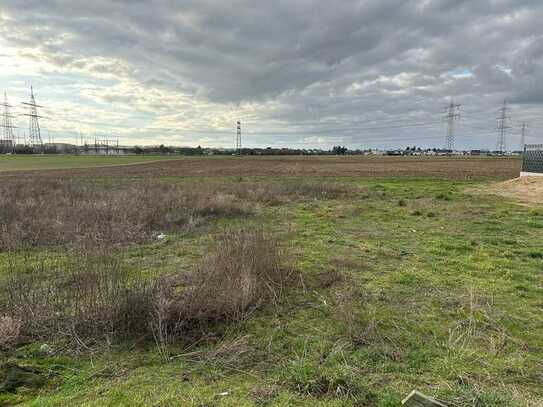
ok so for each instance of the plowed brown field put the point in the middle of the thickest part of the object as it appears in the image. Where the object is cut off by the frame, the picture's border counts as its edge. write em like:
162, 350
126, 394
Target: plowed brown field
447, 167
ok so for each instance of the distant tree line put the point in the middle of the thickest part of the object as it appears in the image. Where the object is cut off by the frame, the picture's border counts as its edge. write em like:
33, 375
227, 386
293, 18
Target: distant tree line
64, 148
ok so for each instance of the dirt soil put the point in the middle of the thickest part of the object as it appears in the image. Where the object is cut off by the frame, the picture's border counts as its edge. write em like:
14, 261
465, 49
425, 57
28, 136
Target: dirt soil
528, 190
445, 167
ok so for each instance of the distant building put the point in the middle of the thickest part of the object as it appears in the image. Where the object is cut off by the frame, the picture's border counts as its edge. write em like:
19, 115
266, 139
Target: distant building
60, 147
104, 149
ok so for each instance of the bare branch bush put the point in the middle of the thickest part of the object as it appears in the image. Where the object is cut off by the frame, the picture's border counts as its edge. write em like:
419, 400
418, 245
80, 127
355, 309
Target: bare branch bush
96, 297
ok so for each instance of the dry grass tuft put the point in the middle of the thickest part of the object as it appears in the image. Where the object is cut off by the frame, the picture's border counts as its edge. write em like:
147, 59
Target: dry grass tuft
93, 297
246, 268
231, 352
357, 319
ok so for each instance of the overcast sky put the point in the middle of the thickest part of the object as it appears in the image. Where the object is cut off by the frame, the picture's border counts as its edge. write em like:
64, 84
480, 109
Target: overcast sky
298, 73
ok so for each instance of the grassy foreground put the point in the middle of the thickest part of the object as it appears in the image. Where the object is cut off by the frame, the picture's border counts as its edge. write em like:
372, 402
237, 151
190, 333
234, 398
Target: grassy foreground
61, 161
410, 284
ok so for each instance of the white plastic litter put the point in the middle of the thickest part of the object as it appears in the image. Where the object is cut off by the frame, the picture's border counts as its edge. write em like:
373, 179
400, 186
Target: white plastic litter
45, 349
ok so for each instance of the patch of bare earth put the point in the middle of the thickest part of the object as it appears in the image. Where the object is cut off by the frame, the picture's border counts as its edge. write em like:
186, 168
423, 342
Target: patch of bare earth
358, 166
528, 190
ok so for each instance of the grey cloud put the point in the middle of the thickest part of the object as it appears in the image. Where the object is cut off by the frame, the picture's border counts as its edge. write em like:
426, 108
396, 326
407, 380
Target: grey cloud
303, 55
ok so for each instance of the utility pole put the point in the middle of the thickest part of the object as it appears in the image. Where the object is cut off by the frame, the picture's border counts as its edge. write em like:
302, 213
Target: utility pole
34, 125
523, 136
7, 125
503, 127
452, 114
238, 138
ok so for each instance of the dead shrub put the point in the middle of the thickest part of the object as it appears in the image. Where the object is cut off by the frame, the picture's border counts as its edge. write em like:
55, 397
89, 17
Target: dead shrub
95, 297
245, 268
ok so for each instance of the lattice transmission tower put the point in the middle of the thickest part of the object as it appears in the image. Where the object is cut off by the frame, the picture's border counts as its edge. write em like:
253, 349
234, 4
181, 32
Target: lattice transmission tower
8, 136
452, 114
34, 130
238, 138
503, 127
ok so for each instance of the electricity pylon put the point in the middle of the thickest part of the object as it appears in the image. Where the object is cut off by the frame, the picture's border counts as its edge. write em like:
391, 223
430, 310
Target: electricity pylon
34, 130
7, 125
452, 114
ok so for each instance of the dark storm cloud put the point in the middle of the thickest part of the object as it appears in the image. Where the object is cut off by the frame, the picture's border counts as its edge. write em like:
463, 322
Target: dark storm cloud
343, 61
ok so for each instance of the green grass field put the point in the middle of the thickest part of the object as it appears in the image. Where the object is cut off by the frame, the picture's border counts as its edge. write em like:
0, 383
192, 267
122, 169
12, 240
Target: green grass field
409, 284
50, 162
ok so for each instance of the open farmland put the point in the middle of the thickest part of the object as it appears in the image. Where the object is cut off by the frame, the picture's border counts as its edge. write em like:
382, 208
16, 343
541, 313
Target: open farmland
270, 281
447, 167
61, 161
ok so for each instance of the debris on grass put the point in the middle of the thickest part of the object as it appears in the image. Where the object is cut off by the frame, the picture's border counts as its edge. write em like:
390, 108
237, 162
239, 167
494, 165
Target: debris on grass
46, 349
417, 399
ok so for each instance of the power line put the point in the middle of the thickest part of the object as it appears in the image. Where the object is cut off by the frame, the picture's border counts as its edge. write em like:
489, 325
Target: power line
360, 123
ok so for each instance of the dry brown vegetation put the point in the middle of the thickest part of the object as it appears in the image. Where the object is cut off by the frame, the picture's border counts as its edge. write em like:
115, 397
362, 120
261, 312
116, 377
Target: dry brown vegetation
96, 297
39, 212
280, 192
51, 212
10, 329
245, 269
